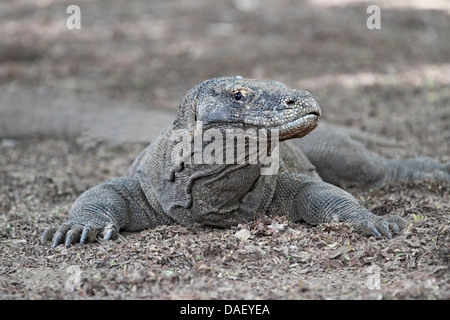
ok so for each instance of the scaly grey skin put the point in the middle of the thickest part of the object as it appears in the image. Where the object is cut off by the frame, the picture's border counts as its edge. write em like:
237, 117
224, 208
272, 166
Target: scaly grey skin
344, 162
158, 191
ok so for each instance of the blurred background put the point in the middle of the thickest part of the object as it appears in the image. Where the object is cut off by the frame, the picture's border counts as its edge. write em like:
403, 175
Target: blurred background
124, 74
393, 81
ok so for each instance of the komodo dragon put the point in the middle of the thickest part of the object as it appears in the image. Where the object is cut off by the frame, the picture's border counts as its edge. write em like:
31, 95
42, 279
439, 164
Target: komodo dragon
164, 185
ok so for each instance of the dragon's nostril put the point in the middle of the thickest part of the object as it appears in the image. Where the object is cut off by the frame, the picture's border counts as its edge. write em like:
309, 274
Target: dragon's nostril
290, 102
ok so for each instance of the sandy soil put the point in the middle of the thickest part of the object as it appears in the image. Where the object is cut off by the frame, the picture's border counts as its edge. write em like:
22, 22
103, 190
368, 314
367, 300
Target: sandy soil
392, 82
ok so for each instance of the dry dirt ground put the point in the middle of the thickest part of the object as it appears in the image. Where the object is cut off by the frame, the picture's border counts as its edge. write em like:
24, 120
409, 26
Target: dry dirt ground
392, 83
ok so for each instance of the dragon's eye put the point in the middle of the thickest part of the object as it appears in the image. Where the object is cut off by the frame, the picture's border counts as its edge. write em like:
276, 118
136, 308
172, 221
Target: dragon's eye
238, 96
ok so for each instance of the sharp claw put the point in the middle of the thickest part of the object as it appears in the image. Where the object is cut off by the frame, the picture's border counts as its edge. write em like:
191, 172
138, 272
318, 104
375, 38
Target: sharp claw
69, 238
384, 228
388, 234
109, 234
375, 231
110, 231
85, 234
42, 238
47, 235
57, 238
394, 227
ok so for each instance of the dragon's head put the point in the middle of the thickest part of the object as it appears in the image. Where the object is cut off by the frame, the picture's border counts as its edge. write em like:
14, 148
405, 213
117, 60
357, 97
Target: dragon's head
236, 102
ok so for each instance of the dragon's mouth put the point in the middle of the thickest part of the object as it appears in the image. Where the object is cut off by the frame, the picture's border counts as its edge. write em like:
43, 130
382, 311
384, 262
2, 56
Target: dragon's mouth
298, 127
